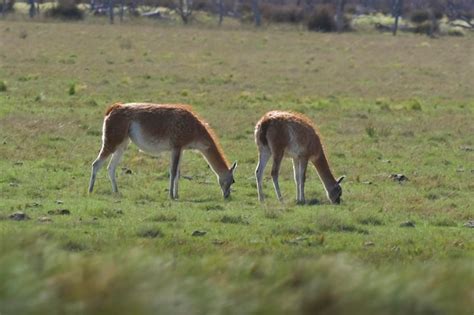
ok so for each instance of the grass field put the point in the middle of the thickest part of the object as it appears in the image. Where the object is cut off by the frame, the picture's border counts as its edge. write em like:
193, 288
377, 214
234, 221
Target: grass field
384, 105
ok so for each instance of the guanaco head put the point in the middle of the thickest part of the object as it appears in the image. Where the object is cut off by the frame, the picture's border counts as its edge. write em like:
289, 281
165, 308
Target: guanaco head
336, 192
227, 180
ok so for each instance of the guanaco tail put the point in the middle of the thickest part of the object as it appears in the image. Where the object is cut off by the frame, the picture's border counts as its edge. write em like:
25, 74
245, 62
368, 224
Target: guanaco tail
280, 133
156, 128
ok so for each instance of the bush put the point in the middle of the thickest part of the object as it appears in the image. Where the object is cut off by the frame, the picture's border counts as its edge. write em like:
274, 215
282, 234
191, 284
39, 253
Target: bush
66, 10
72, 89
202, 5
322, 20
170, 4
423, 23
59, 12
455, 32
351, 9
419, 16
245, 11
425, 28
282, 13
438, 14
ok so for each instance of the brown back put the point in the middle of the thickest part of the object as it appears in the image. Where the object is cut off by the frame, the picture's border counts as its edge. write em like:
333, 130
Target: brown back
177, 123
281, 128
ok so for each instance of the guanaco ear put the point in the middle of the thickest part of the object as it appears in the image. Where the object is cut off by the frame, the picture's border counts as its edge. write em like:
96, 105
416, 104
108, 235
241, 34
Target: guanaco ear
233, 167
339, 180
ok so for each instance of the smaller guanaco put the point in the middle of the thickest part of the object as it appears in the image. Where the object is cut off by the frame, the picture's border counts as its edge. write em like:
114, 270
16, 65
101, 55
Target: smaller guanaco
280, 133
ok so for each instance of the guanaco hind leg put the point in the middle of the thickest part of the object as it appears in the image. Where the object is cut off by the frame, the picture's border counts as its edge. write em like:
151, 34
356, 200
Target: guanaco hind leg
277, 157
114, 142
114, 161
96, 166
100, 161
264, 155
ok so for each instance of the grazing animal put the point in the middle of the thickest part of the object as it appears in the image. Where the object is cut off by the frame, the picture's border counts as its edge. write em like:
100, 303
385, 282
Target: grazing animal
278, 133
156, 128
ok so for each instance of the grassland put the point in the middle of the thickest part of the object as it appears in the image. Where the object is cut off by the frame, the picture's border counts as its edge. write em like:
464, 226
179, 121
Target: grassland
384, 105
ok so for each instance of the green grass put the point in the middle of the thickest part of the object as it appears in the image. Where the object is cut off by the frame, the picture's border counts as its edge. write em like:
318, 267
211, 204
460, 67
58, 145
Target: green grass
383, 105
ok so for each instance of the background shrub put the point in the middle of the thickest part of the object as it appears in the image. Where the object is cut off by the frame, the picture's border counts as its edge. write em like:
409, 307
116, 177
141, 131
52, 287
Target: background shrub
170, 4
455, 32
322, 19
203, 5
67, 10
245, 12
425, 28
282, 13
419, 16
3, 86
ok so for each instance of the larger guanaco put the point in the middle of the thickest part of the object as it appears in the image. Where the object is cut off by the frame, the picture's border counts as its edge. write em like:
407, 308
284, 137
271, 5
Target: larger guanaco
156, 128
278, 133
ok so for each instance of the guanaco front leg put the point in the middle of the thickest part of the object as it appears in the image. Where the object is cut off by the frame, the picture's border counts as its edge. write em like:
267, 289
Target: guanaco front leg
302, 165
174, 172
296, 169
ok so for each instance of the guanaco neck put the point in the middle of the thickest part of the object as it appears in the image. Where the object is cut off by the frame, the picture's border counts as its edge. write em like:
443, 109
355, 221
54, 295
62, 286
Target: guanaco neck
215, 158
324, 172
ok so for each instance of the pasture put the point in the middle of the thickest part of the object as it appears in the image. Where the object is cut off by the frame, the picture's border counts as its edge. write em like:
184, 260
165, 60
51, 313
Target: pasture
383, 105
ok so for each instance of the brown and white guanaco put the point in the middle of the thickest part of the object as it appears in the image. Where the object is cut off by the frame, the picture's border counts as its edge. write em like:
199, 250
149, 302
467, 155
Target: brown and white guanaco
280, 133
156, 128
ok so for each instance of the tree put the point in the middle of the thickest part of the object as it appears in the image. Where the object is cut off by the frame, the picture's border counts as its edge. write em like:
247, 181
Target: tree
433, 23
122, 5
340, 15
397, 12
111, 11
4, 7
256, 13
32, 10
221, 11
185, 10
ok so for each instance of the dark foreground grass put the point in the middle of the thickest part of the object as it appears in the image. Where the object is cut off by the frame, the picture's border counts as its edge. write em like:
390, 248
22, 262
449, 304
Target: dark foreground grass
41, 279
384, 106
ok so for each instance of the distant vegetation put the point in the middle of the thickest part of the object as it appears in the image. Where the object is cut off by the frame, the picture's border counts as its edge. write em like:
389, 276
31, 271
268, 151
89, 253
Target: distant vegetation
439, 17
65, 9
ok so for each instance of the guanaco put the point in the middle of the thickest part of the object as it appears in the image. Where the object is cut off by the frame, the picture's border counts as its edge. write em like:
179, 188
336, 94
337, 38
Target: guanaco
155, 128
280, 133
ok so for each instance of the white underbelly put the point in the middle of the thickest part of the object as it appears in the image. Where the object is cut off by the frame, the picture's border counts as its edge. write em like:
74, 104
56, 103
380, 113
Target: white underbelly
147, 143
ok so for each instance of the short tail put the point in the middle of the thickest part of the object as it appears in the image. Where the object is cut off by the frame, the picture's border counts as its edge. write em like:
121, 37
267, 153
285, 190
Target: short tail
261, 132
115, 129
111, 108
